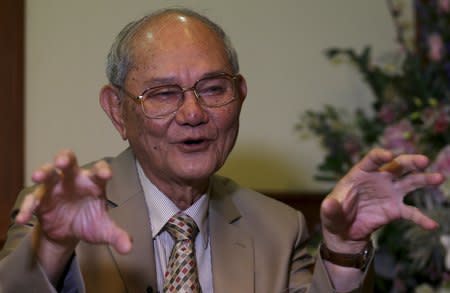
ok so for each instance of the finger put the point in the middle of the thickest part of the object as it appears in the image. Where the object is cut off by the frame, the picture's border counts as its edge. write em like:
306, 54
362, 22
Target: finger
412, 163
415, 181
66, 161
374, 160
404, 164
99, 174
332, 215
46, 174
415, 215
120, 240
30, 204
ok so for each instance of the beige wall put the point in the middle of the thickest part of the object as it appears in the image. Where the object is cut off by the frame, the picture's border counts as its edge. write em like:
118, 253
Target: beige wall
280, 45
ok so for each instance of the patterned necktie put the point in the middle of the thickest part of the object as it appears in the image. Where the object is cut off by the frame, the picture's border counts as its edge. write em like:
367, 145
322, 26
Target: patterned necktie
181, 274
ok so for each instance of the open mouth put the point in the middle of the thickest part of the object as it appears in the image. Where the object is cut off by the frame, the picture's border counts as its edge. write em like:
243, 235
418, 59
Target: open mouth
194, 145
193, 141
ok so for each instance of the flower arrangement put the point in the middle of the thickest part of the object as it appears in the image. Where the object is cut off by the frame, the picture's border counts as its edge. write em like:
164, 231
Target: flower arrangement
411, 114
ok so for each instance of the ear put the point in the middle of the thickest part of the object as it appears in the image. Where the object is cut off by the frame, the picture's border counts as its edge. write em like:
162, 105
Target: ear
242, 88
112, 105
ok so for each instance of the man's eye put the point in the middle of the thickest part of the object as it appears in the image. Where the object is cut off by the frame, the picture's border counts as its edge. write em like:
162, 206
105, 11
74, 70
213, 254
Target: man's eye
212, 90
163, 94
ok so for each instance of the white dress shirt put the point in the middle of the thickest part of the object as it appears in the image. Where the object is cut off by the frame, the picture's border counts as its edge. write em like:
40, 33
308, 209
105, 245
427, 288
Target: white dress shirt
161, 209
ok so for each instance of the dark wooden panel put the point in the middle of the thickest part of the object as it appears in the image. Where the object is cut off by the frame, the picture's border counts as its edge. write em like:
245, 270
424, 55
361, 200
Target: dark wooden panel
306, 202
11, 105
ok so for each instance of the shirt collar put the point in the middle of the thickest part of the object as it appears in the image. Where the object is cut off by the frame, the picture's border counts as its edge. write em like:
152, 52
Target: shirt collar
161, 208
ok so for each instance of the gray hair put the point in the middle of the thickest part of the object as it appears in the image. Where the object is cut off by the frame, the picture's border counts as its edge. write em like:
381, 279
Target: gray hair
120, 57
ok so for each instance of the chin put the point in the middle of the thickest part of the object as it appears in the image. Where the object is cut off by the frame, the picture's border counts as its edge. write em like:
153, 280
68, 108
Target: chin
196, 166
194, 175
196, 171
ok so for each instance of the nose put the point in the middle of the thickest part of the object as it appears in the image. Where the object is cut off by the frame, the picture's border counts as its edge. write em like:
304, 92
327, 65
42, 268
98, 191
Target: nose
191, 112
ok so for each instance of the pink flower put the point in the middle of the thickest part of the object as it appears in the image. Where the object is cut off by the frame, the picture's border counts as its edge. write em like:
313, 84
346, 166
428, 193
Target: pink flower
428, 115
390, 111
444, 6
387, 113
435, 47
399, 138
441, 123
437, 119
352, 147
441, 164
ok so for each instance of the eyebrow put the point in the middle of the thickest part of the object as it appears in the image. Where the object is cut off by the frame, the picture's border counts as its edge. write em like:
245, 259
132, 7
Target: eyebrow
173, 80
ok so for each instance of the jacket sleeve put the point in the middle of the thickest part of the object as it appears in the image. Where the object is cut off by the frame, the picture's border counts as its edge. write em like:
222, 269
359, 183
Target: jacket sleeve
302, 266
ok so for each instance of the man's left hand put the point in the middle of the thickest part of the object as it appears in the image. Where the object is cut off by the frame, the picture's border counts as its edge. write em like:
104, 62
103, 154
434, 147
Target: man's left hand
371, 195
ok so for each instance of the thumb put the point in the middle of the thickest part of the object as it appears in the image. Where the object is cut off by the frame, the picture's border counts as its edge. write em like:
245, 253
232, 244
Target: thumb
120, 240
332, 215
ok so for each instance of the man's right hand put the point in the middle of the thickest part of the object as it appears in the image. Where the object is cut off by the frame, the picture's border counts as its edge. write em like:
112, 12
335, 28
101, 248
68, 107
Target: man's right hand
70, 205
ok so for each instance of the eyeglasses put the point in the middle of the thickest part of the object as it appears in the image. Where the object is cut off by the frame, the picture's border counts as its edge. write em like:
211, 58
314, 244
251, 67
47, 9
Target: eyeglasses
212, 92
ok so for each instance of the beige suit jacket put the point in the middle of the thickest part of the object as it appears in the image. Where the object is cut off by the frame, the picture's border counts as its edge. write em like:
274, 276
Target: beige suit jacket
257, 245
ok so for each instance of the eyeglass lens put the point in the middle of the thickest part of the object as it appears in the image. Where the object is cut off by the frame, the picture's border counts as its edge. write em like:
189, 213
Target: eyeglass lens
210, 92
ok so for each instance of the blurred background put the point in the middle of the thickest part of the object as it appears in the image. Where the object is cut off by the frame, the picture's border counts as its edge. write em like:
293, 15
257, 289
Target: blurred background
280, 46
53, 57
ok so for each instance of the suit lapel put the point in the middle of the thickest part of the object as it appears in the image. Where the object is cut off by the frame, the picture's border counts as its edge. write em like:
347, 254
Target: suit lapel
124, 190
232, 251
231, 247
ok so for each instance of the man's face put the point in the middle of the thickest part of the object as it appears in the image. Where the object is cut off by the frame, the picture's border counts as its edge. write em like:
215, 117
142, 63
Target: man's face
194, 142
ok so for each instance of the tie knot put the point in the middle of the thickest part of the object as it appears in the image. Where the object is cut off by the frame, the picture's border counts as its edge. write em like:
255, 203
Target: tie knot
182, 227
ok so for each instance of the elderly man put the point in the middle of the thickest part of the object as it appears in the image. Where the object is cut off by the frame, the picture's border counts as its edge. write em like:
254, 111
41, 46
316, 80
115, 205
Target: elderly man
170, 224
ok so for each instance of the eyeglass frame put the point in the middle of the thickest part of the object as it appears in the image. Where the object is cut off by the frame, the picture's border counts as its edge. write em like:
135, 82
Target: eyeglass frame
141, 98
